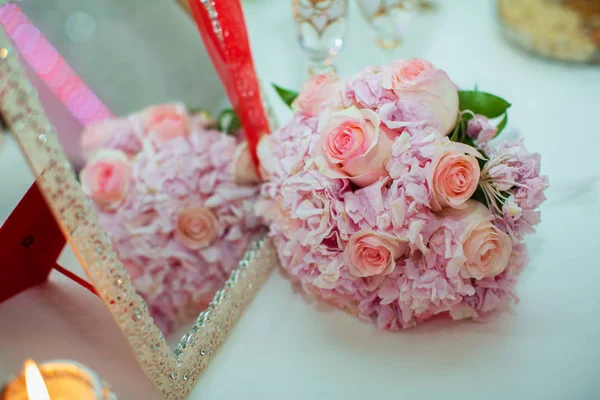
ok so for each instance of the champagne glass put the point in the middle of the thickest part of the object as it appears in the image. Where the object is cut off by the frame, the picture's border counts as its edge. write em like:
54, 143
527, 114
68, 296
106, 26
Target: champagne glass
321, 27
390, 19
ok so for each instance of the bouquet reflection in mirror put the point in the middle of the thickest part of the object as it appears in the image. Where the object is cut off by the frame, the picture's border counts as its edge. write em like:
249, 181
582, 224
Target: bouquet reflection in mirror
175, 195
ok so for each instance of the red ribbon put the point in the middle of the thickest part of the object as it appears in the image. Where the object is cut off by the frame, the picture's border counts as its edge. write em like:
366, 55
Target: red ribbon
223, 30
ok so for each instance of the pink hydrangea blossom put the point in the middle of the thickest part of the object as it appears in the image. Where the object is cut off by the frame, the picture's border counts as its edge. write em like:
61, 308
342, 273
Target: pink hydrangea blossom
123, 134
514, 174
365, 90
480, 129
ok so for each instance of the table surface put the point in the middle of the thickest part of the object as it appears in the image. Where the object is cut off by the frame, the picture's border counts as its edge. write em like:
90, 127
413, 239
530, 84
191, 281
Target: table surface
546, 347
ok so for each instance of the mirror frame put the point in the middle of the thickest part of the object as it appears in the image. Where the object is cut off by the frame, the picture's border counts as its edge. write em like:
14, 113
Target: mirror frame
174, 373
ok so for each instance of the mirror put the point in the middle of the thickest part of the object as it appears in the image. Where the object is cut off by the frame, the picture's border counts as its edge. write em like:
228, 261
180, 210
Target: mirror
17, 183
117, 117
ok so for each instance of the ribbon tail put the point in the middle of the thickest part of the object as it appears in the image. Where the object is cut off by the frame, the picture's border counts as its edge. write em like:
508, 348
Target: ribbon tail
223, 30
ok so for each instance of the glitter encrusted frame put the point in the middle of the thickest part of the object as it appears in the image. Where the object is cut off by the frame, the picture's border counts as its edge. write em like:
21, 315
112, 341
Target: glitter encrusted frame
173, 372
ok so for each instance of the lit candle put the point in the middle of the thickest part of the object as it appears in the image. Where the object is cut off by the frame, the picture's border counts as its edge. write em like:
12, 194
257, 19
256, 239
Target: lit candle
34, 382
57, 380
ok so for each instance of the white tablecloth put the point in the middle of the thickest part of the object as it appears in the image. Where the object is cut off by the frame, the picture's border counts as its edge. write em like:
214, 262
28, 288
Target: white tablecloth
547, 347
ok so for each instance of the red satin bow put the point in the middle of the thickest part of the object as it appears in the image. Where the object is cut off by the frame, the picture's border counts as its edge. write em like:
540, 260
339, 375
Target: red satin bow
223, 30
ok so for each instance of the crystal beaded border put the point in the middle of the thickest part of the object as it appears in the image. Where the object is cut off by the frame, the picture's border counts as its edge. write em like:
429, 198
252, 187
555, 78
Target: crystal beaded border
212, 14
173, 373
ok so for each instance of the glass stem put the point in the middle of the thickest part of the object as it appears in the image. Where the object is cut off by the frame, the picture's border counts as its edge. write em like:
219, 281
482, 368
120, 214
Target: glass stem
321, 66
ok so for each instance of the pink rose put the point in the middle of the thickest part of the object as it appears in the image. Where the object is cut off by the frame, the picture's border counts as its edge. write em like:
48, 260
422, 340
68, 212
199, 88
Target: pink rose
454, 176
166, 121
353, 144
319, 92
486, 248
420, 81
196, 227
106, 179
117, 134
370, 253
244, 171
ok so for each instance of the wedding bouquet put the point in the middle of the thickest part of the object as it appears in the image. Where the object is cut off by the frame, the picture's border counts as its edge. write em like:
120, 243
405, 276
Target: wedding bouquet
390, 195
175, 195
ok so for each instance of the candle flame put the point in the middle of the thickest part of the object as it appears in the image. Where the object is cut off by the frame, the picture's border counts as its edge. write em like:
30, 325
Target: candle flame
36, 388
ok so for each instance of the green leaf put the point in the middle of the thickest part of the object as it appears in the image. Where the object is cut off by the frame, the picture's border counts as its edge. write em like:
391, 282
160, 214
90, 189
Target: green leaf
470, 142
228, 121
482, 103
235, 125
459, 134
479, 196
502, 124
288, 96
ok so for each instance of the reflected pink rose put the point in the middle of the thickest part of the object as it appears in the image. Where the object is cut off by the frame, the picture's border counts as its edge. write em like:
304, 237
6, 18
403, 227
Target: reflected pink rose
486, 248
196, 227
319, 92
417, 79
455, 176
106, 179
353, 144
166, 121
370, 253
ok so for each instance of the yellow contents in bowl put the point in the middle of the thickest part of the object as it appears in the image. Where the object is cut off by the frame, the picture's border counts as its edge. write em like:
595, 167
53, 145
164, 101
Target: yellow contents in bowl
567, 30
